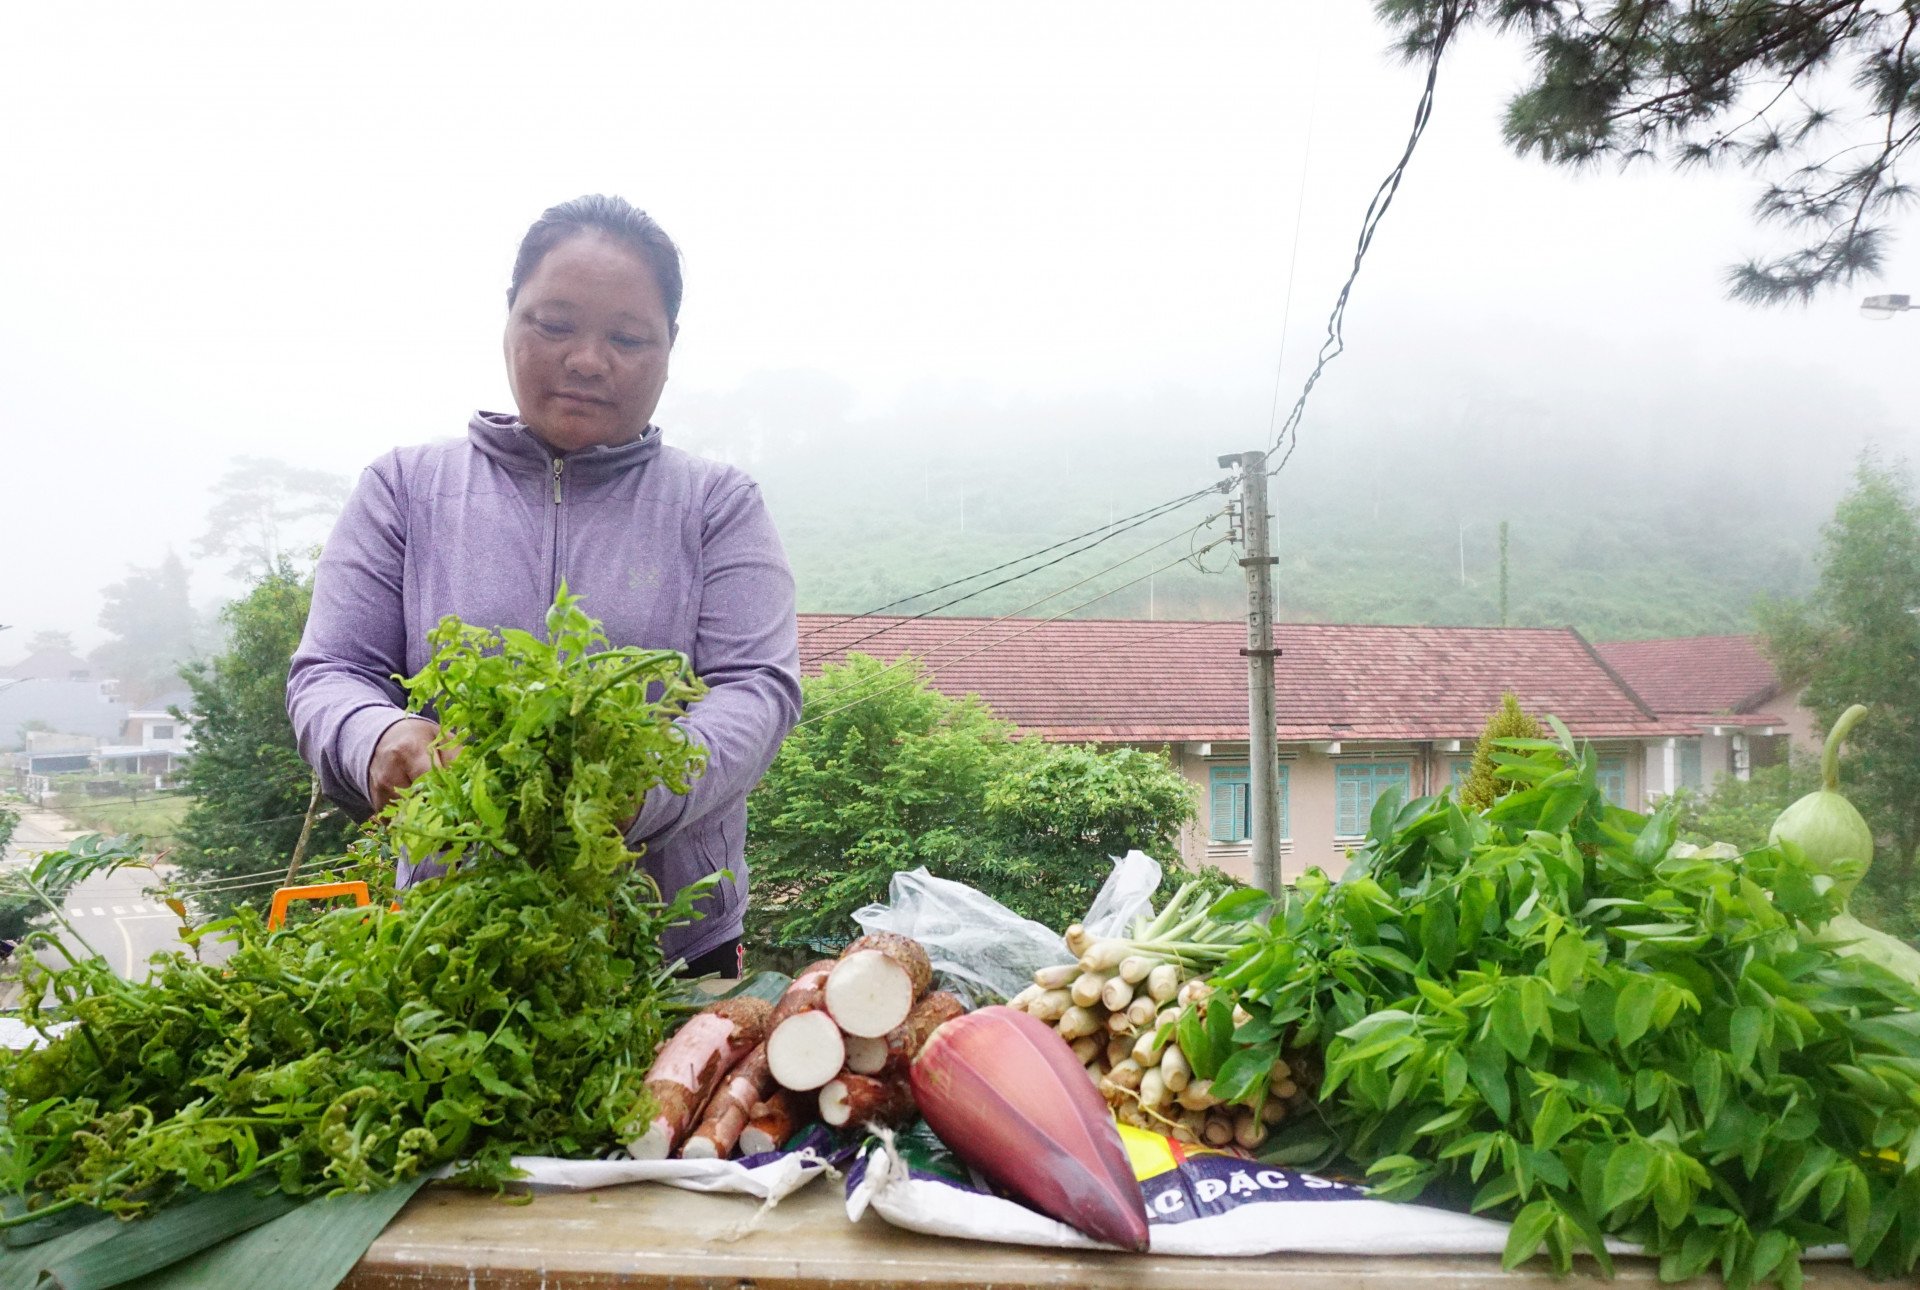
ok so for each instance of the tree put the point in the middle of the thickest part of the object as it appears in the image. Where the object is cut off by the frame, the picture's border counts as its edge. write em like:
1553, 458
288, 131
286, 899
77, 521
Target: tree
251, 789
1483, 783
1713, 81
1740, 812
262, 508
887, 774
1857, 640
154, 630
51, 642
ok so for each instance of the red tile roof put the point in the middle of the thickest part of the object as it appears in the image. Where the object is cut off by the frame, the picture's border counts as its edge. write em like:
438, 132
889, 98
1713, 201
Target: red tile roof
1128, 680
1696, 675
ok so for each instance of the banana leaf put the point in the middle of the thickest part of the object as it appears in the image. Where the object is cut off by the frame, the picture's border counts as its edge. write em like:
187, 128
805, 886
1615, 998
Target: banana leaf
312, 1248
180, 1231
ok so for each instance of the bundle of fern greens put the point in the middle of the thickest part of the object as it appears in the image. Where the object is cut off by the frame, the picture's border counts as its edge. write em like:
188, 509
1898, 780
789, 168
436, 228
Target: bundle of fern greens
510, 1007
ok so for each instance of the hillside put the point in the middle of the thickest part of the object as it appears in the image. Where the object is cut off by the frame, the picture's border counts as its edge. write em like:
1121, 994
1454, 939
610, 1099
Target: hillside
1616, 535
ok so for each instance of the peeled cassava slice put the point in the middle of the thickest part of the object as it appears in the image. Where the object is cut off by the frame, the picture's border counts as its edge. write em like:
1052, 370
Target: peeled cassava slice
893, 1052
806, 1051
804, 1047
862, 1100
771, 1123
874, 1088
866, 1056
876, 983
1006, 1094
690, 1066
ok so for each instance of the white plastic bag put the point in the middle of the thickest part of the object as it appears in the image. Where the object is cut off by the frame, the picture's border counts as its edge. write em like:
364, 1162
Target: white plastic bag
1126, 894
970, 938
770, 1178
983, 947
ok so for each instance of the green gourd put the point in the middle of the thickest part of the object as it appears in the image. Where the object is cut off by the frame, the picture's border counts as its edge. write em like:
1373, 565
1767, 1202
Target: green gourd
1836, 839
1824, 824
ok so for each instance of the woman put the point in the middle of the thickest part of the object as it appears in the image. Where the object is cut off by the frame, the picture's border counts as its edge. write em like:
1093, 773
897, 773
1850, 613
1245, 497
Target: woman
666, 549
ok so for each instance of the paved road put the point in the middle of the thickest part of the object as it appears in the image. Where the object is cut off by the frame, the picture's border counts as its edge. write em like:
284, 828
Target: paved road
113, 916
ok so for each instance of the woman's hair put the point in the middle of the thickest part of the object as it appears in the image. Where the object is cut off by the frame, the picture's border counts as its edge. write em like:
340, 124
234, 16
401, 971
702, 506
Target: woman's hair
617, 218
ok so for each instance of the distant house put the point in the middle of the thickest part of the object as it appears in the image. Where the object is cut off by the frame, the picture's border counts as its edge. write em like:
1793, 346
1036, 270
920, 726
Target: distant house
52, 664
53, 753
1722, 687
1360, 709
152, 742
72, 707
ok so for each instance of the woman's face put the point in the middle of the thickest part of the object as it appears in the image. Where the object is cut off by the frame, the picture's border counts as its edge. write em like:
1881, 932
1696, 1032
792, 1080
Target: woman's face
587, 344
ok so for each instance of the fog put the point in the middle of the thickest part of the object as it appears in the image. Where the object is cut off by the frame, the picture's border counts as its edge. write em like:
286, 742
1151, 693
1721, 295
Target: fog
960, 281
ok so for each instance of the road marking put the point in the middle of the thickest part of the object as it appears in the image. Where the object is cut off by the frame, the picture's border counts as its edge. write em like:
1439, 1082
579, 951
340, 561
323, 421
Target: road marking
76, 913
99, 912
127, 940
119, 910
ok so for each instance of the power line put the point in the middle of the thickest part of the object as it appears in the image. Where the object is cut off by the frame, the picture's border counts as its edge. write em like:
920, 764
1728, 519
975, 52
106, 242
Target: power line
1111, 529
158, 795
1293, 257
842, 648
1032, 626
1335, 343
905, 658
163, 891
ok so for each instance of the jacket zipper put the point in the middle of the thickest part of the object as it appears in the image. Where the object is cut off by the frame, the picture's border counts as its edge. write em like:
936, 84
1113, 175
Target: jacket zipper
559, 465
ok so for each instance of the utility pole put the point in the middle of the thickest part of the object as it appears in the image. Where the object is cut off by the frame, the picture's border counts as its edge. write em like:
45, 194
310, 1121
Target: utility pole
1263, 771
1503, 573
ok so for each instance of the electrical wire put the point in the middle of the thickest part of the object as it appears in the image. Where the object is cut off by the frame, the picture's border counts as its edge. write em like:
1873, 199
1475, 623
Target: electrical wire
1293, 257
843, 647
909, 657
1032, 626
162, 891
1336, 343
1112, 529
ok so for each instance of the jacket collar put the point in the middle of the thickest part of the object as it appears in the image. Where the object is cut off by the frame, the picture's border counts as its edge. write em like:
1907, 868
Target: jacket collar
502, 437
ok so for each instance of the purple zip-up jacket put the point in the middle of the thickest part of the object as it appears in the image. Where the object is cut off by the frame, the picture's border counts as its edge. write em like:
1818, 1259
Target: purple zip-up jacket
667, 550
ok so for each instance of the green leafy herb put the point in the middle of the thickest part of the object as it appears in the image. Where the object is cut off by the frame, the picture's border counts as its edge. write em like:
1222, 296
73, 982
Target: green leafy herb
1548, 1012
511, 1007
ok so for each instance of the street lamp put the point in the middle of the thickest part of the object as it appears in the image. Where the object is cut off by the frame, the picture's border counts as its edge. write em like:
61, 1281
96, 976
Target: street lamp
1881, 308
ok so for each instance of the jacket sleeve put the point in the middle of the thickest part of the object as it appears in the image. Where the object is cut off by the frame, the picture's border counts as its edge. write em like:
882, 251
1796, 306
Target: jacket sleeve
341, 692
746, 650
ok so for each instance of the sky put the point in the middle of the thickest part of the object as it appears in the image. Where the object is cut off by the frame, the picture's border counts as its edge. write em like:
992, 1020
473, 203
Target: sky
286, 232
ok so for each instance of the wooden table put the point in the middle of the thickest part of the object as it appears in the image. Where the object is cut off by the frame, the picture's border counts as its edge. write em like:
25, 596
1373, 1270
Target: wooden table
660, 1237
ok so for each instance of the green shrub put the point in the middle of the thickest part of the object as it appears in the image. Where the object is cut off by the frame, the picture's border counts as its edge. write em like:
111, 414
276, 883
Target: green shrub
885, 773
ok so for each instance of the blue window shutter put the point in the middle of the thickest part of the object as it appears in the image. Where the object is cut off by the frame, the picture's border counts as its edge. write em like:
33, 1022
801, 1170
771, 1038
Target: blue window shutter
1286, 807
1349, 786
1613, 779
1689, 763
1358, 786
1227, 802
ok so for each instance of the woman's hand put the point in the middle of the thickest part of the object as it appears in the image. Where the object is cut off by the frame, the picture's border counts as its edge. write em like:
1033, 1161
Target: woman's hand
405, 753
